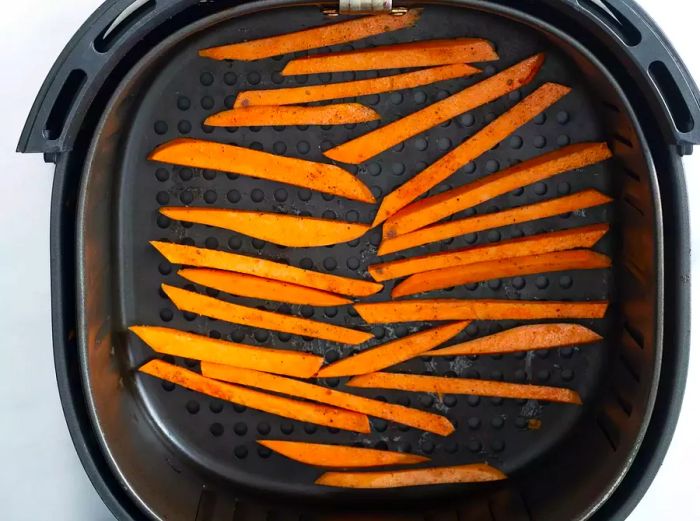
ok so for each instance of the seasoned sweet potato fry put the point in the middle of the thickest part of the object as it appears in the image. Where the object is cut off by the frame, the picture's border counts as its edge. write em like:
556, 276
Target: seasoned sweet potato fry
521, 214
258, 287
261, 116
325, 178
387, 411
350, 89
392, 353
173, 342
511, 267
427, 53
323, 455
433, 209
486, 309
473, 473
372, 143
448, 385
582, 237
484, 140
210, 307
279, 405
288, 230
522, 338
206, 258
324, 35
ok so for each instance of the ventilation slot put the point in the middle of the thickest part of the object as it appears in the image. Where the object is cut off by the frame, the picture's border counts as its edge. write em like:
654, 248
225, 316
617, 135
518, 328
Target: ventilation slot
609, 431
121, 24
633, 204
630, 368
611, 107
635, 334
624, 405
623, 140
632, 174
205, 507
63, 103
627, 32
672, 96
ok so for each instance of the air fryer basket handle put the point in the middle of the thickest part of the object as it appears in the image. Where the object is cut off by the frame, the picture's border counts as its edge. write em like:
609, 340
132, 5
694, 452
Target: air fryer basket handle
85, 65
650, 57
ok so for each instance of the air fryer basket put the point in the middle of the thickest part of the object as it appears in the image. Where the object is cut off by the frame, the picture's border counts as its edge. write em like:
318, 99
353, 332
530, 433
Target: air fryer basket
177, 455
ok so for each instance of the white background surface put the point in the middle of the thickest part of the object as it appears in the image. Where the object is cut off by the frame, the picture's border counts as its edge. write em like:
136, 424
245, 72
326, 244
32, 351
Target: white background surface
40, 475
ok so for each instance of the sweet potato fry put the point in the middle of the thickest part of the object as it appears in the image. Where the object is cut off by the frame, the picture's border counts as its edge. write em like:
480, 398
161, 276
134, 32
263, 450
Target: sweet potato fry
582, 237
210, 307
484, 140
472, 473
258, 287
448, 385
206, 258
279, 405
398, 56
261, 116
173, 342
288, 230
323, 455
372, 143
313, 38
433, 209
486, 309
350, 89
522, 338
521, 214
512, 267
279, 384
392, 353
325, 178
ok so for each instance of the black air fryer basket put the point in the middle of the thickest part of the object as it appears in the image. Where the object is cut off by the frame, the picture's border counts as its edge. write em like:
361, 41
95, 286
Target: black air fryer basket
131, 79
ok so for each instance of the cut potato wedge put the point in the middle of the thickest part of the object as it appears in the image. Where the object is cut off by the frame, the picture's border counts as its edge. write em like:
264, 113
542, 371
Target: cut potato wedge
173, 342
340, 456
473, 473
324, 178
287, 230
279, 405
388, 411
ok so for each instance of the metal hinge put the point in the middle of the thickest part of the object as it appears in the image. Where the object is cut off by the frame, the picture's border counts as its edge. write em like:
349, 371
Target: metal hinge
365, 7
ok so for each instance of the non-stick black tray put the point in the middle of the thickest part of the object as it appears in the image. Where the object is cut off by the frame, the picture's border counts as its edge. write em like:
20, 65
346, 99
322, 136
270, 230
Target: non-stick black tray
221, 436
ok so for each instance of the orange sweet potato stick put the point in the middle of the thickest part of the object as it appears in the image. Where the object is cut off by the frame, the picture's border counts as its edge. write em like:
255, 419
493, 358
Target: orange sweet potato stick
398, 413
392, 353
512, 267
398, 56
261, 116
173, 342
484, 140
323, 455
350, 89
206, 258
258, 287
433, 209
332, 34
447, 385
473, 473
582, 237
279, 405
372, 143
523, 338
288, 230
325, 178
521, 214
210, 307
486, 309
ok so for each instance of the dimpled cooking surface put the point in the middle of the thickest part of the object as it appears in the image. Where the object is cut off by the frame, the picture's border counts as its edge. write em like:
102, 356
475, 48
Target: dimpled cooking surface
221, 436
